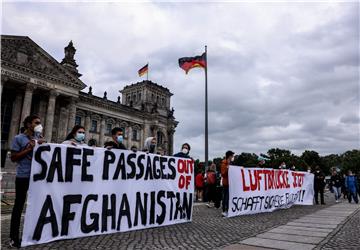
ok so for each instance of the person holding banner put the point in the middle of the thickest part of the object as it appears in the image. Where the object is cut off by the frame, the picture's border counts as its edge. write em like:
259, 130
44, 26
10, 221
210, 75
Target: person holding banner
150, 145
185, 150
21, 153
76, 136
117, 139
224, 168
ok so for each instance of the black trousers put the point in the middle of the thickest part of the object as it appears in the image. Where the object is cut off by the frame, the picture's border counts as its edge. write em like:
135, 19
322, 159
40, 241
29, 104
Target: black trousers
317, 191
21, 188
225, 201
211, 193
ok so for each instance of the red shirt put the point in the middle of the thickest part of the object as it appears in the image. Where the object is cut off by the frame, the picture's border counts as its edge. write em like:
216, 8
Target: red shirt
199, 180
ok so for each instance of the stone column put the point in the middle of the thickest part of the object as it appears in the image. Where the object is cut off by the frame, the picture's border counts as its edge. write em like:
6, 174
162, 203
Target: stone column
102, 131
50, 115
64, 113
142, 138
129, 141
42, 109
170, 145
26, 107
87, 125
15, 118
72, 114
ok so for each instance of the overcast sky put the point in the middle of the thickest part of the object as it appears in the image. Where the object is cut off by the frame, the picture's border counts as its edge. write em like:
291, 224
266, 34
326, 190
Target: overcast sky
280, 74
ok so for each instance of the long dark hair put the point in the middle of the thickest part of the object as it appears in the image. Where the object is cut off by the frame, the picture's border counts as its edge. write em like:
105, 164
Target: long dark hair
73, 131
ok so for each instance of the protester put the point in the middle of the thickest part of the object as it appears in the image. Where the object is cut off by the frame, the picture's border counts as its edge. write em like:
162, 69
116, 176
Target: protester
319, 185
76, 136
225, 181
117, 139
282, 165
199, 185
358, 182
150, 145
351, 186
133, 148
335, 184
21, 153
211, 184
343, 187
185, 150
261, 162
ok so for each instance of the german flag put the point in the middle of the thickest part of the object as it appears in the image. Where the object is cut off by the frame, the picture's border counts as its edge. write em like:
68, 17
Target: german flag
187, 63
143, 70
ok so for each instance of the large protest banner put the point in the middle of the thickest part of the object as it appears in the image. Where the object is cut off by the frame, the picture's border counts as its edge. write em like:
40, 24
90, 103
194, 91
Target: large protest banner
257, 190
83, 191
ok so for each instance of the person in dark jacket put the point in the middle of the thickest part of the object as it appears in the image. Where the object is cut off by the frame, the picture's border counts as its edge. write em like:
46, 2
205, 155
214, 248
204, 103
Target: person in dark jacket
335, 182
117, 139
319, 185
185, 150
351, 187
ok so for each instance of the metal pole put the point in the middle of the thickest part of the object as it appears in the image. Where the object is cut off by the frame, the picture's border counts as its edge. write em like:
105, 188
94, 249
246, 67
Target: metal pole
147, 72
206, 115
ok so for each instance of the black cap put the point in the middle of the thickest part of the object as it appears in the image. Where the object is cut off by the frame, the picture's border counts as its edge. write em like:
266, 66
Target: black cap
229, 153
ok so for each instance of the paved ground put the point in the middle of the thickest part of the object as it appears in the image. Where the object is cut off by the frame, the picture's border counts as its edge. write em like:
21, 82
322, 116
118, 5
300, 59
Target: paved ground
307, 232
207, 231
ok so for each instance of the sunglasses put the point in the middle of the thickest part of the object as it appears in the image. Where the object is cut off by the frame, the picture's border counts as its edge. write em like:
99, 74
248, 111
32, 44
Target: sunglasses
37, 123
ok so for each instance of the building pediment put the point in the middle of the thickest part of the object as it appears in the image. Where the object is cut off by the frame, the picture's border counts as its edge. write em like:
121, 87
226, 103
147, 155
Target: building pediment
24, 55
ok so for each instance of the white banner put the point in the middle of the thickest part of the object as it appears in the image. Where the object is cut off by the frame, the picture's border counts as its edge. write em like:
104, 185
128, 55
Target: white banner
257, 190
83, 191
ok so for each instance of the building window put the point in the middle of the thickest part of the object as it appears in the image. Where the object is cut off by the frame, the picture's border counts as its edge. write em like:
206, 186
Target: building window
93, 126
134, 135
77, 120
160, 138
108, 128
139, 96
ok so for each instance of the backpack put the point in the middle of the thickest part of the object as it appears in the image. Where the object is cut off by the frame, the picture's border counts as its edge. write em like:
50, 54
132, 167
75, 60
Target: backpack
211, 178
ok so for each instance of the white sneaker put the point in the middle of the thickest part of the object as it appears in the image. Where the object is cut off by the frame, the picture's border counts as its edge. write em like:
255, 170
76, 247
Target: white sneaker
209, 205
337, 201
224, 214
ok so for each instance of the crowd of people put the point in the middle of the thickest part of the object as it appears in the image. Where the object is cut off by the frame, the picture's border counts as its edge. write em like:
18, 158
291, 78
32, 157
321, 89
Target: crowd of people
211, 185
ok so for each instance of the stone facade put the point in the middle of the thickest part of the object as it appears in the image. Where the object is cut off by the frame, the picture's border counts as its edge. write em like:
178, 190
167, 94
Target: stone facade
32, 81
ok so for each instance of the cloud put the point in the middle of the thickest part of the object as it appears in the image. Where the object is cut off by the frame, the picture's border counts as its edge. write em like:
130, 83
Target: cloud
280, 74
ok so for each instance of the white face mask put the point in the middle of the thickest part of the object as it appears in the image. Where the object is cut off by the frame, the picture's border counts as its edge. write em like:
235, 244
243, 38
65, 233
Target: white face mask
38, 129
309, 170
185, 151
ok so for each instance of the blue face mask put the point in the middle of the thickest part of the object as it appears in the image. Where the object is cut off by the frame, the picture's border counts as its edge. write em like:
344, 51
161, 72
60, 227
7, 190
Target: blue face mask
80, 137
120, 139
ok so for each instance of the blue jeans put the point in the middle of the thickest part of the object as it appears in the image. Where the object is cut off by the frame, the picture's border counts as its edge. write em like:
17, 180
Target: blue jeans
337, 192
353, 195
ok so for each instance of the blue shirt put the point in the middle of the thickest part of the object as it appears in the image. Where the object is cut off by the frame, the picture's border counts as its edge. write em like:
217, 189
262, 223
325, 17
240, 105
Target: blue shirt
23, 167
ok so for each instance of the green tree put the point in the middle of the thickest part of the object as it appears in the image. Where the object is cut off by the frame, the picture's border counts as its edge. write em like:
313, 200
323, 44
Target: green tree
351, 160
311, 158
277, 156
246, 160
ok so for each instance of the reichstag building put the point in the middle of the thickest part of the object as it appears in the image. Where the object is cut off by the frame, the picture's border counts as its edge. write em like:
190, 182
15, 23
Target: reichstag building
33, 82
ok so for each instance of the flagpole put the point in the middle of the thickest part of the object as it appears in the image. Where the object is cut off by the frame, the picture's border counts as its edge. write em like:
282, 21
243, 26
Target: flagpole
206, 115
147, 73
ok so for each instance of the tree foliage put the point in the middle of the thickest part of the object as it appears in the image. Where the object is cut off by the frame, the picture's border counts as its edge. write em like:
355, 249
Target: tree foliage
349, 160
